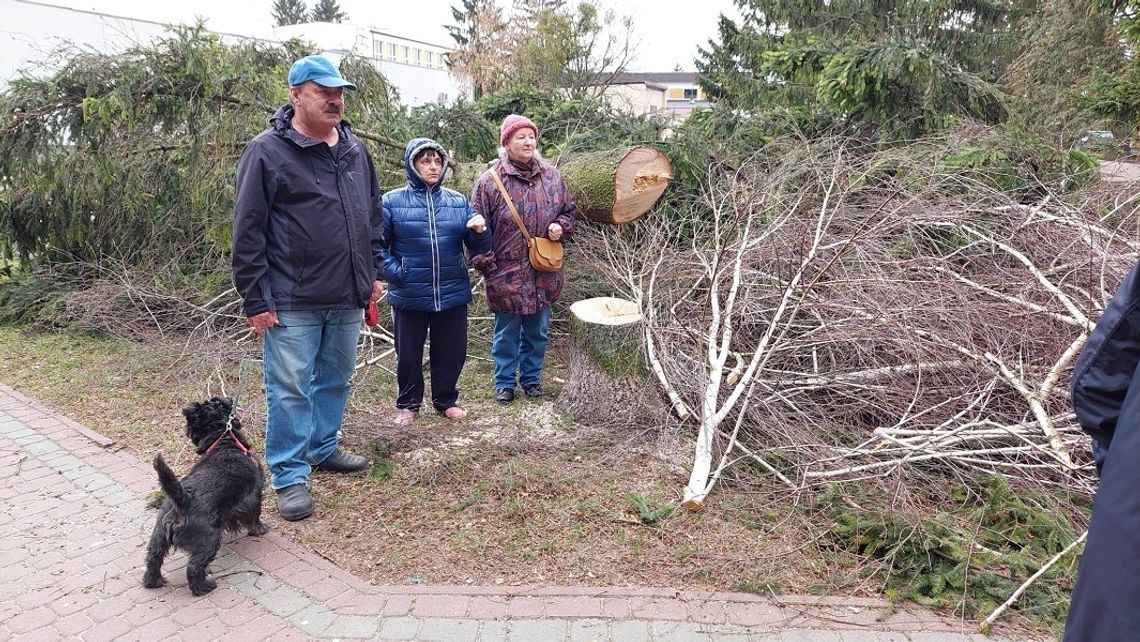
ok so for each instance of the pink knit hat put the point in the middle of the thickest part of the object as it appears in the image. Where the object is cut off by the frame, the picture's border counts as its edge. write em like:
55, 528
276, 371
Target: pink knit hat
512, 124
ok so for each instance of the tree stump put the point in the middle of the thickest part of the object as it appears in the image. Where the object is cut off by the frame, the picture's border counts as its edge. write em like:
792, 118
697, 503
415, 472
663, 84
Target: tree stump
607, 382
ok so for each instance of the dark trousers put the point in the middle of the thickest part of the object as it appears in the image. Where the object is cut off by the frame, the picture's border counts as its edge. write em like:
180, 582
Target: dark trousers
448, 352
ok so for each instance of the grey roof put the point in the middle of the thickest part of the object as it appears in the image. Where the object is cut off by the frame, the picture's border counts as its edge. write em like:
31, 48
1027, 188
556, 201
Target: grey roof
655, 77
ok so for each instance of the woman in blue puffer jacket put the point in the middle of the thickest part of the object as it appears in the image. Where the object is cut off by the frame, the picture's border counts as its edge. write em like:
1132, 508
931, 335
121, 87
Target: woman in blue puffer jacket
426, 227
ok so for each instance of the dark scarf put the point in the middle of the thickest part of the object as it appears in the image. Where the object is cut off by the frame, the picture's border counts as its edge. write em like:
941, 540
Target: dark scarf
526, 170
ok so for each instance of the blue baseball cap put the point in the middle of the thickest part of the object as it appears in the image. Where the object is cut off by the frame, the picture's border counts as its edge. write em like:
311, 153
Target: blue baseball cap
319, 70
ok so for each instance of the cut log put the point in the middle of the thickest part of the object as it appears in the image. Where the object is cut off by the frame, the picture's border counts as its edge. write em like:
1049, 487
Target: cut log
606, 382
616, 186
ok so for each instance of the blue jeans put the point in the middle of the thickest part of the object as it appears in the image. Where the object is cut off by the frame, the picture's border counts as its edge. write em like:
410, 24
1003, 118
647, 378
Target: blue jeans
309, 358
519, 346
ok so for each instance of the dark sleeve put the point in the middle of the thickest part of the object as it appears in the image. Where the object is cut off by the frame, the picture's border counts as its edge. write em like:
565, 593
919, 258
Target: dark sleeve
376, 219
477, 243
389, 262
253, 199
568, 217
1104, 371
483, 262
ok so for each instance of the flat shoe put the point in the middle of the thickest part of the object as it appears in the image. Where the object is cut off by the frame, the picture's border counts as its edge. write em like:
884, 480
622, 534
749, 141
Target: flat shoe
342, 462
533, 391
455, 412
294, 502
505, 395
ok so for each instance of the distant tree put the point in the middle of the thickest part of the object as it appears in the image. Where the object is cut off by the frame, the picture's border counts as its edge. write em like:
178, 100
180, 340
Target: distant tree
289, 12
481, 56
579, 50
328, 11
1050, 81
898, 67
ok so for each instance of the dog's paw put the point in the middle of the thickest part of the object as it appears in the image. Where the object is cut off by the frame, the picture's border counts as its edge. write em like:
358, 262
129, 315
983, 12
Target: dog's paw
154, 581
258, 529
201, 588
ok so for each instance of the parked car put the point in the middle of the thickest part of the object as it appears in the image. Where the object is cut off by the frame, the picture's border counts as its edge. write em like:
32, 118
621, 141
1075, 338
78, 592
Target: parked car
1100, 142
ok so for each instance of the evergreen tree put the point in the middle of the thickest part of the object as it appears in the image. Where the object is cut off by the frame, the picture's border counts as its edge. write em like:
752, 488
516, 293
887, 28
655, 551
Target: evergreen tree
328, 11
289, 12
894, 67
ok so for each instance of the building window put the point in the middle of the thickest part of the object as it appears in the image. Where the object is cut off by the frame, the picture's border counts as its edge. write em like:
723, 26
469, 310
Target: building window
404, 50
676, 94
691, 94
377, 48
419, 57
430, 59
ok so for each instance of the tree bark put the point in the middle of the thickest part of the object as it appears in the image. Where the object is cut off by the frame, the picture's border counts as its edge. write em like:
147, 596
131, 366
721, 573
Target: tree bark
606, 382
615, 186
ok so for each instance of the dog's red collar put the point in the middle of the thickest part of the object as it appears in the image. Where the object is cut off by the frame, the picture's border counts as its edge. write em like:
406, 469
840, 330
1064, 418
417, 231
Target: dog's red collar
229, 432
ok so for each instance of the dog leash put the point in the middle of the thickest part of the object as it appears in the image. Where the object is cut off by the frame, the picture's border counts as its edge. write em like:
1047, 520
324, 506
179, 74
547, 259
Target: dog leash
229, 432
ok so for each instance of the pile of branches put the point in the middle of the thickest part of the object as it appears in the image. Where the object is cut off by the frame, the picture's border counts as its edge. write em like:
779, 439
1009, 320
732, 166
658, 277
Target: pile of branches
831, 312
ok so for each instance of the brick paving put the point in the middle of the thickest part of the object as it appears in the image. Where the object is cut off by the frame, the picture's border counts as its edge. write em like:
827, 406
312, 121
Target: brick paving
73, 533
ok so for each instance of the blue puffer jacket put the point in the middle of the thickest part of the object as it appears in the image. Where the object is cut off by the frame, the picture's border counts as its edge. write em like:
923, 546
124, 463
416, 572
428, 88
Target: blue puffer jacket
425, 230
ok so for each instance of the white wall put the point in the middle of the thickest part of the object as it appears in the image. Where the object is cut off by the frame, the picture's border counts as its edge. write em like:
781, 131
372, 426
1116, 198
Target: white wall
31, 31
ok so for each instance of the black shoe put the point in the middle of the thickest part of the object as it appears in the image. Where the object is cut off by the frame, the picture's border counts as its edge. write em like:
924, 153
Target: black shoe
505, 395
533, 391
294, 502
342, 462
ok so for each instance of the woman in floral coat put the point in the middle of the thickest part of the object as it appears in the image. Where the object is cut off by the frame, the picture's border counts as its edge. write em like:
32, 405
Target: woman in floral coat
518, 295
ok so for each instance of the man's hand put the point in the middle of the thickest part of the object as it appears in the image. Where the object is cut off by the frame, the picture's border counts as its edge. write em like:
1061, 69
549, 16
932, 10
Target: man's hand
377, 291
554, 232
262, 322
477, 223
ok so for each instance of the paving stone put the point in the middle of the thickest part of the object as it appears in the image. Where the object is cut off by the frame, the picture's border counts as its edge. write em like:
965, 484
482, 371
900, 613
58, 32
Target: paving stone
531, 630
494, 631
447, 630
808, 635
596, 630
678, 632
629, 631
352, 626
399, 628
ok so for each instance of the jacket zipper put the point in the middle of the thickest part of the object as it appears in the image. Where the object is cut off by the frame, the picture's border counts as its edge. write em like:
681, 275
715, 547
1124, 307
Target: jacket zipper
433, 237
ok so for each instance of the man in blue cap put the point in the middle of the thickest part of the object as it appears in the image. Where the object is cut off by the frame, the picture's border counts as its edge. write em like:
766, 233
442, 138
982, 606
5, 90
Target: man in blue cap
306, 262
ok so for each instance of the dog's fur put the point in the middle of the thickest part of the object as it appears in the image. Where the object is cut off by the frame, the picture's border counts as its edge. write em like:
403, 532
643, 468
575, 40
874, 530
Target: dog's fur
222, 492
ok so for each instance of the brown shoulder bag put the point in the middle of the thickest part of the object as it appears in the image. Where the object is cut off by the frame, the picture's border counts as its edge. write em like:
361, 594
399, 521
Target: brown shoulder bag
545, 255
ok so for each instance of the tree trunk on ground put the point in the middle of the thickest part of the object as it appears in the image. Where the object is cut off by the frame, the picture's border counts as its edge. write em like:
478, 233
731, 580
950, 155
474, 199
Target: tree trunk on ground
615, 186
607, 383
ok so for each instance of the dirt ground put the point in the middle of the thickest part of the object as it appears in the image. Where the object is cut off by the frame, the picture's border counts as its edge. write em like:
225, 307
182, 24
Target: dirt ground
516, 494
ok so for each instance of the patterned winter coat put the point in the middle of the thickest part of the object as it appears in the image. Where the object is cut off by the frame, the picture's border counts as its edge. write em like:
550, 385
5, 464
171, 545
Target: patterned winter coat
513, 286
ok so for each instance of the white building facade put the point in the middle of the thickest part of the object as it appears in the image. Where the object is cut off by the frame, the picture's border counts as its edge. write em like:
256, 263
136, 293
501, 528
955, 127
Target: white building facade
31, 32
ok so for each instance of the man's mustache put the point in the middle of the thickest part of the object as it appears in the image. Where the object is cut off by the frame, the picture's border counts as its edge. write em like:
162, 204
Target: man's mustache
332, 110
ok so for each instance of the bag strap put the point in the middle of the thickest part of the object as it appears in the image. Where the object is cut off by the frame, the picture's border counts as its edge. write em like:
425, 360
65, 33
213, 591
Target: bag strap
510, 204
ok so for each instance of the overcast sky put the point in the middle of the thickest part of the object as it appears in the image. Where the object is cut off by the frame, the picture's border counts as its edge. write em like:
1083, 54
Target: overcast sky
667, 31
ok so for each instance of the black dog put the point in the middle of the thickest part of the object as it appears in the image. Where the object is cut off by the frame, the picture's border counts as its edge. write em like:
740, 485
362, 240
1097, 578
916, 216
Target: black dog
222, 492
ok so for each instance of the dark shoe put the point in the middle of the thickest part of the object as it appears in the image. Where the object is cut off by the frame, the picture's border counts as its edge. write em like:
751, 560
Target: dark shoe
294, 503
342, 462
505, 395
533, 391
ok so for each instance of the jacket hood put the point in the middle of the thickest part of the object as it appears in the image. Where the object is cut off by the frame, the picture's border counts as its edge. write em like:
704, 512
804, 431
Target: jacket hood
415, 146
282, 123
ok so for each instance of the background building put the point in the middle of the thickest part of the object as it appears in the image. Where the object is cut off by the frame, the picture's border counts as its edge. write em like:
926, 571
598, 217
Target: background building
31, 33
